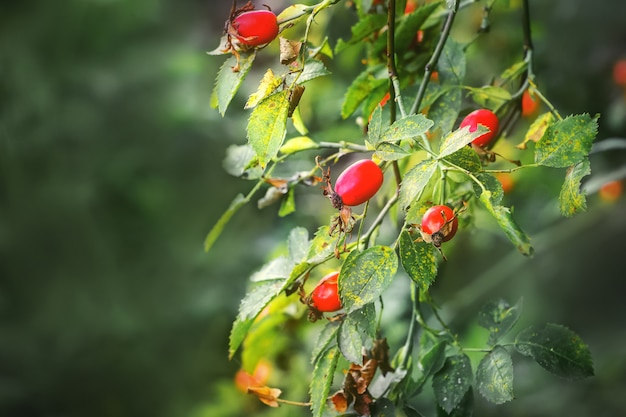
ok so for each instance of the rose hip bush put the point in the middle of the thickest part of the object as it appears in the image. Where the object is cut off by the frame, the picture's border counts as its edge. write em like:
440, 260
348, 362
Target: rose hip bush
425, 171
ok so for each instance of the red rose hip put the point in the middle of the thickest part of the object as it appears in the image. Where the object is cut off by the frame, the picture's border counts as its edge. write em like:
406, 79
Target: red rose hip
256, 27
486, 118
439, 224
325, 296
357, 184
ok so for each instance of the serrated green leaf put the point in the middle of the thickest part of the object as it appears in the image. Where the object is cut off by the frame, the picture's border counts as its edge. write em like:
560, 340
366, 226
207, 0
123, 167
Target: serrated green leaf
375, 127
409, 127
494, 376
269, 83
322, 379
452, 381
279, 267
466, 158
556, 349
355, 331
514, 70
499, 317
460, 138
490, 96
465, 408
445, 109
313, 68
325, 340
228, 81
492, 184
241, 161
567, 142
254, 302
386, 151
365, 27
360, 89
298, 244
410, 24
238, 202
451, 64
322, 245
297, 144
365, 275
537, 129
415, 181
506, 222
433, 360
418, 260
267, 126
293, 13
572, 199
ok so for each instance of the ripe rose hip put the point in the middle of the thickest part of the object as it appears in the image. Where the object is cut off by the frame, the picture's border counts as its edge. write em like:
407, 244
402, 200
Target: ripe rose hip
357, 184
256, 27
530, 104
486, 118
325, 296
439, 224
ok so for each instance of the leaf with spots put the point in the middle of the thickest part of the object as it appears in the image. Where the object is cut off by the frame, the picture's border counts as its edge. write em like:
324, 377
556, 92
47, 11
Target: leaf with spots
321, 380
267, 126
415, 181
557, 349
452, 63
466, 158
409, 127
452, 381
418, 260
499, 317
494, 376
355, 331
571, 199
460, 138
445, 109
228, 81
365, 275
567, 142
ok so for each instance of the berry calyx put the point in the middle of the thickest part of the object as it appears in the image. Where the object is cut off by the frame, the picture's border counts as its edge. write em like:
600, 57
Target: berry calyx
483, 117
439, 224
357, 184
325, 296
255, 27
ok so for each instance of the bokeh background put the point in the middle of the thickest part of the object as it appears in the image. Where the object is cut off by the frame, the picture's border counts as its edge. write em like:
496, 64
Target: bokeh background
111, 176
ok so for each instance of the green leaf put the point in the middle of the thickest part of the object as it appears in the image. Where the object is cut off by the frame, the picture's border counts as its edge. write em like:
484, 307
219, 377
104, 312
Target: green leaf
410, 24
418, 260
571, 199
466, 158
254, 302
557, 349
375, 126
537, 129
360, 89
228, 82
506, 222
288, 204
321, 380
415, 181
313, 68
465, 408
292, 11
409, 127
365, 275
355, 331
267, 126
269, 83
298, 244
451, 64
492, 184
322, 245
433, 360
494, 376
241, 161
326, 339
460, 138
490, 96
390, 152
499, 317
383, 407
297, 144
445, 109
567, 142
365, 27
452, 381
514, 70
279, 267
238, 202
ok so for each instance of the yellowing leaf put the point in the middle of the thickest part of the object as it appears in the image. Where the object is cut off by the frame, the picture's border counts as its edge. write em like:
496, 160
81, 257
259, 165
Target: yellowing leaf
266, 395
267, 126
537, 129
268, 85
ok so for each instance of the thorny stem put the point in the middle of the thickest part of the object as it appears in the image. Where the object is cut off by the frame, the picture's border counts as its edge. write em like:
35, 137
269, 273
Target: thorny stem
431, 65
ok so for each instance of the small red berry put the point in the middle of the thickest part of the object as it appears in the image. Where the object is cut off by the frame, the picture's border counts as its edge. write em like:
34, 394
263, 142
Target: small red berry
439, 224
256, 27
357, 184
325, 296
530, 104
486, 118
611, 191
619, 72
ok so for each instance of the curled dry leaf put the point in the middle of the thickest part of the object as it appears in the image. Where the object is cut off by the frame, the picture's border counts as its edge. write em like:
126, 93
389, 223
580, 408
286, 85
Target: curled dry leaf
268, 396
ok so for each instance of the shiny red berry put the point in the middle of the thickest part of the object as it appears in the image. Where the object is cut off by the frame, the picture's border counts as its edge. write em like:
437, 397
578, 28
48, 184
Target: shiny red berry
439, 224
256, 27
486, 118
325, 296
357, 184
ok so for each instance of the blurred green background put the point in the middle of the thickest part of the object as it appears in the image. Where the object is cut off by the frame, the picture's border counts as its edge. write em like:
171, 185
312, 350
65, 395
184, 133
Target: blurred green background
111, 176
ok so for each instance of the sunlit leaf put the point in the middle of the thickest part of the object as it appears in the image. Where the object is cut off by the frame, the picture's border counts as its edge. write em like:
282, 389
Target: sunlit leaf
297, 144
537, 129
499, 317
293, 13
567, 142
557, 349
466, 158
365, 275
452, 381
490, 96
241, 161
267, 126
494, 376
322, 245
386, 151
313, 68
415, 181
418, 260
409, 127
269, 83
266, 395
572, 199
228, 81
321, 380
460, 138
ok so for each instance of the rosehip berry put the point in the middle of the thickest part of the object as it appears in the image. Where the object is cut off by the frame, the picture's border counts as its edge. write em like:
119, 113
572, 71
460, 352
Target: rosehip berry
325, 296
357, 184
439, 224
256, 27
611, 191
619, 72
486, 118
530, 104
